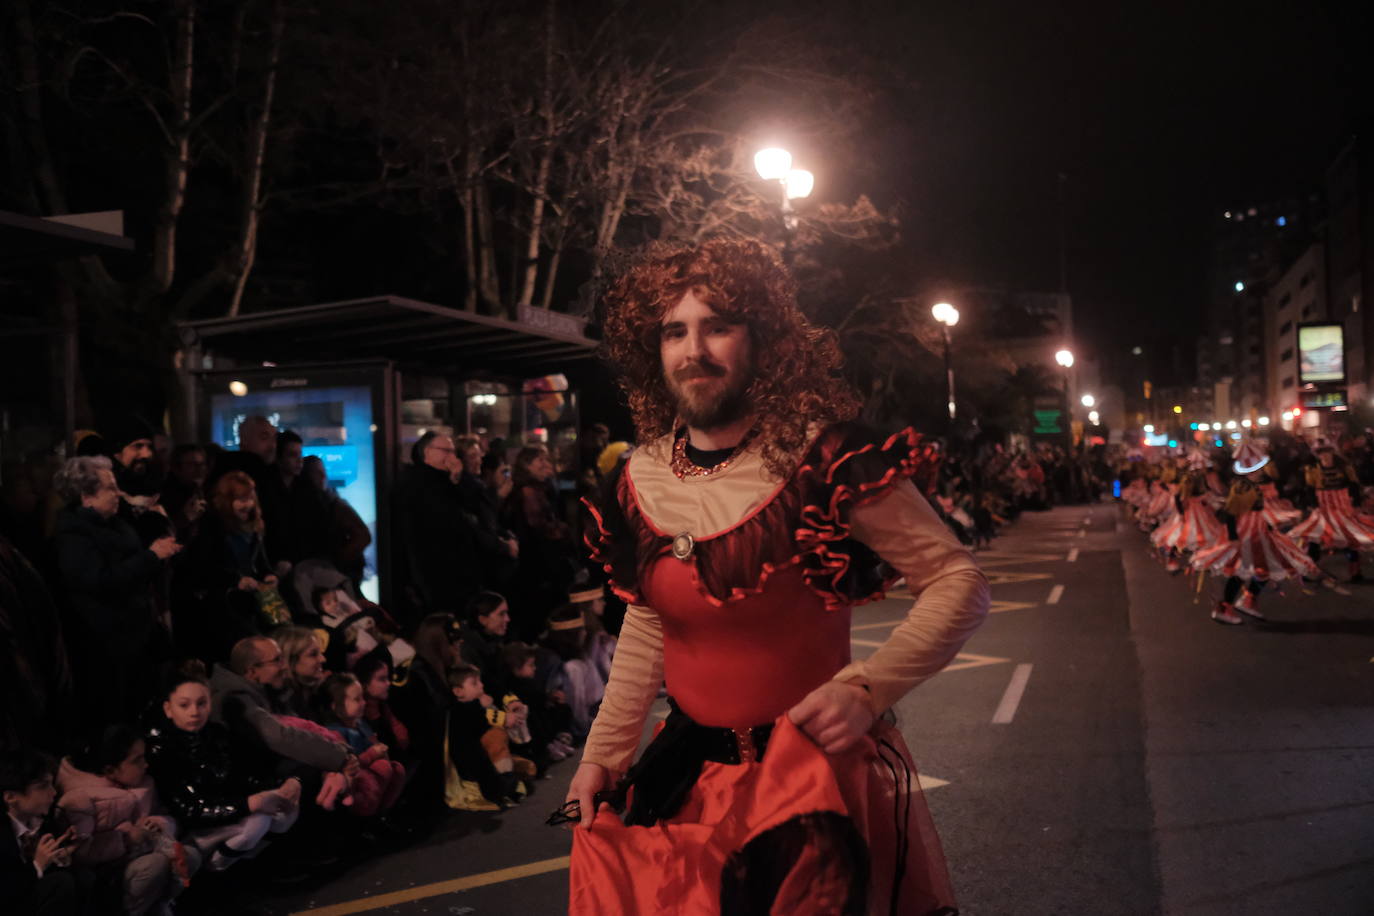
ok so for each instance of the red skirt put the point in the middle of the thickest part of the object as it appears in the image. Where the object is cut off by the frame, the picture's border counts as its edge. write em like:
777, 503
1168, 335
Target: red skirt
738, 818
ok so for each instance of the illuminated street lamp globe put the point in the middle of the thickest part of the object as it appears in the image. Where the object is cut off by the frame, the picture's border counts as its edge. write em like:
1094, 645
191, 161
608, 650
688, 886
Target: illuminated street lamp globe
1088, 400
1064, 358
1093, 417
798, 183
773, 164
945, 313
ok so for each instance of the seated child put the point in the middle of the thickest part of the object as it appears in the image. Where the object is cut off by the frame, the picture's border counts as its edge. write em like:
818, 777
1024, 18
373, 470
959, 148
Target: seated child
108, 796
374, 673
478, 743
548, 716
584, 650
228, 813
379, 780
35, 843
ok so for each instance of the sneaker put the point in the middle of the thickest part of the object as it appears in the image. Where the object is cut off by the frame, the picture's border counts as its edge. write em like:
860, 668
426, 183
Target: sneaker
1246, 605
1336, 586
1224, 613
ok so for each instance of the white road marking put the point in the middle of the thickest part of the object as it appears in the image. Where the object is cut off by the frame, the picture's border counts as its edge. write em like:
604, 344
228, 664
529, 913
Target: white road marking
1055, 594
1006, 710
930, 782
1073, 555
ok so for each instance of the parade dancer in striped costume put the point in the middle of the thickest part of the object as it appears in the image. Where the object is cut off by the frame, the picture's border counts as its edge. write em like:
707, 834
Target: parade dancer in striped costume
1254, 553
1194, 527
1334, 523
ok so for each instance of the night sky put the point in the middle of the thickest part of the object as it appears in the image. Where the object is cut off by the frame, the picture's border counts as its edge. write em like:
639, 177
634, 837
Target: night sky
1158, 113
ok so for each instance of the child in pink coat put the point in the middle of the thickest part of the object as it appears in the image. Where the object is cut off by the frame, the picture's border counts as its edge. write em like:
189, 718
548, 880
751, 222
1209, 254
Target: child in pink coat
109, 798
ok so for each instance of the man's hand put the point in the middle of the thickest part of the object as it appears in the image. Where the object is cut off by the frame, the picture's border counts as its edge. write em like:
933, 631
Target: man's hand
589, 779
834, 715
351, 767
163, 548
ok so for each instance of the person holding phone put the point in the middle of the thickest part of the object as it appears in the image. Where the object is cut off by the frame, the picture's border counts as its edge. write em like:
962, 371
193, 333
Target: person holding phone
35, 853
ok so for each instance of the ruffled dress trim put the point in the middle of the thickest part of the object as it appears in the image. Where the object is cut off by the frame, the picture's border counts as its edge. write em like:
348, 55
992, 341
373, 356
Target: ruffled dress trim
807, 523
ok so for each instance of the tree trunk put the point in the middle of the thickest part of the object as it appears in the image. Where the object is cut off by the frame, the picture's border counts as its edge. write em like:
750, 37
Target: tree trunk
488, 275
541, 178
257, 155
178, 157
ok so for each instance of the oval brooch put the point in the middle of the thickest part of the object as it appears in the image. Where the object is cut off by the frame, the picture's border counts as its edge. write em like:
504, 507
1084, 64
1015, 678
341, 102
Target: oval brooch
683, 546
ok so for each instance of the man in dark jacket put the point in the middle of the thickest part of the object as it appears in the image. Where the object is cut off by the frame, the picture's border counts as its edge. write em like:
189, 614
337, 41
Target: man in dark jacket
439, 545
108, 577
243, 698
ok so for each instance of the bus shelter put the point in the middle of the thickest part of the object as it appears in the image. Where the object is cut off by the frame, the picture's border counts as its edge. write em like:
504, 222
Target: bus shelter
361, 380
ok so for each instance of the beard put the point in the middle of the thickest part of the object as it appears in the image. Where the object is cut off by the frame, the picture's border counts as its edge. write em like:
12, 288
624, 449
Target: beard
713, 404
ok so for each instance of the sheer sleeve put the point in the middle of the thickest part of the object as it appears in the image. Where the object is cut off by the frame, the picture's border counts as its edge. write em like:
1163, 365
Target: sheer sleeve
952, 594
636, 675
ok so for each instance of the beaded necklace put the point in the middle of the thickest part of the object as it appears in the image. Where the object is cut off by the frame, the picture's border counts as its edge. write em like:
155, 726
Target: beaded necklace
683, 467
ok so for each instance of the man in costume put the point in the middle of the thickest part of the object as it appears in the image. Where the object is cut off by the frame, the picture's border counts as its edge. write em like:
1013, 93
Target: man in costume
749, 521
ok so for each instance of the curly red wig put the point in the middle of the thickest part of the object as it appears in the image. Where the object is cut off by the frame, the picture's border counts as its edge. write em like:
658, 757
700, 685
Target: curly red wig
796, 366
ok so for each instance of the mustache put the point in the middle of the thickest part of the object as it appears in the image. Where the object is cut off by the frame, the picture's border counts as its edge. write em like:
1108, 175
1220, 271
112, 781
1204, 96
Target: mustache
699, 370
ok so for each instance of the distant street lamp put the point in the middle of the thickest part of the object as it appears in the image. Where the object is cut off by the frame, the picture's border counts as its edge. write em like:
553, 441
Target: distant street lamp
775, 164
1065, 359
948, 316
1088, 400
1093, 417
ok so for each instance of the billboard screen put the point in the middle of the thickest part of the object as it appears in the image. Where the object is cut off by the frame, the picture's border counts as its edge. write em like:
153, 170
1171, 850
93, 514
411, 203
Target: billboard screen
1321, 353
336, 423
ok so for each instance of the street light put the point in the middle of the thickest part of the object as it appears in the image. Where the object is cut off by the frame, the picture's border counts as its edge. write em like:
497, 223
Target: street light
948, 316
1064, 358
1088, 400
775, 164
1093, 417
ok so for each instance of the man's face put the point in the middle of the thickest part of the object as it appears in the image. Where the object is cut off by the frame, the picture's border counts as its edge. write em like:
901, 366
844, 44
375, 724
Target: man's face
260, 438
291, 459
105, 499
441, 455
270, 668
192, 468
706, 363
136, 455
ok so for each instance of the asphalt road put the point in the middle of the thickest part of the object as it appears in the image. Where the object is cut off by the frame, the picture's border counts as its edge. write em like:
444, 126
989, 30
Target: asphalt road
1100, 747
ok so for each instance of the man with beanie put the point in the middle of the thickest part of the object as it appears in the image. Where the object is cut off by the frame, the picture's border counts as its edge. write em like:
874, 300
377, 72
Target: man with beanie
129, 444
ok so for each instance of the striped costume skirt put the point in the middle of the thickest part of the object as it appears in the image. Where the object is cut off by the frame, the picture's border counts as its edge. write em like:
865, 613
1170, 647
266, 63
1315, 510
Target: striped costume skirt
1334, 523
1195, 528
1257, 552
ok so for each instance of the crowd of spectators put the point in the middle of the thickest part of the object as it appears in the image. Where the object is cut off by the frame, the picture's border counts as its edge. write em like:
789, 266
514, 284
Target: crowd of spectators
193, 677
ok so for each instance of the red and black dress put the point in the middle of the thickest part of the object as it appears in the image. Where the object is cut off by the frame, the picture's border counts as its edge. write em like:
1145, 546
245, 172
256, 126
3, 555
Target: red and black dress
740, 587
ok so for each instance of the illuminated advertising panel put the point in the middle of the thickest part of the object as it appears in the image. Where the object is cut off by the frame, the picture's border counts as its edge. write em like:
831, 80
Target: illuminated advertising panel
1321, 353
337, 423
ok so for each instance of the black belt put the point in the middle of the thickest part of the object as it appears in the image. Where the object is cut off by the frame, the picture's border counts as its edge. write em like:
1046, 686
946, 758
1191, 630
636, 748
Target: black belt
671, 764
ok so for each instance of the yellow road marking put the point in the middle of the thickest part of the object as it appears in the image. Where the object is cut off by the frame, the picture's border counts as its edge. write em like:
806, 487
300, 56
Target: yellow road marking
930, 782
865, 642
969, 660
1011, 559
997, 577
1000, 606
451, 886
